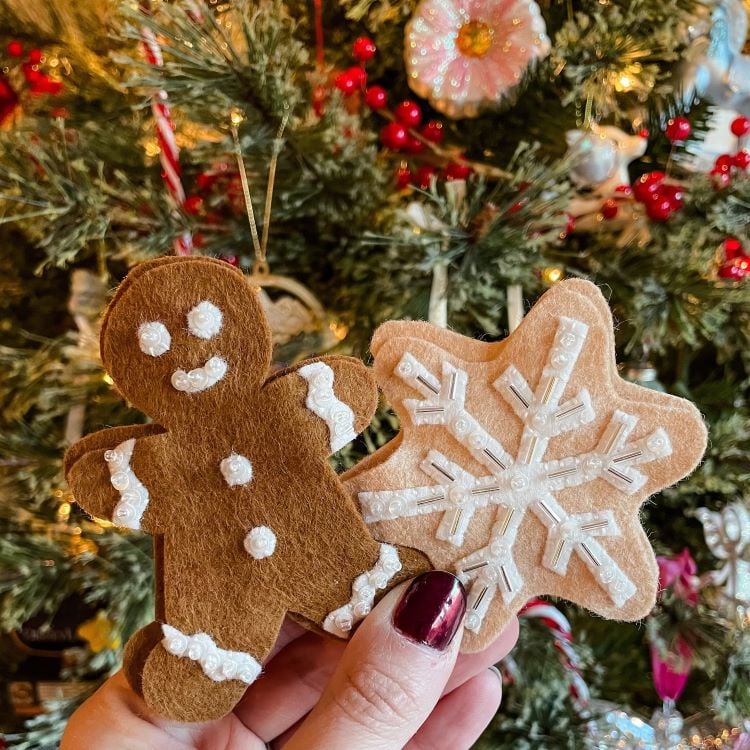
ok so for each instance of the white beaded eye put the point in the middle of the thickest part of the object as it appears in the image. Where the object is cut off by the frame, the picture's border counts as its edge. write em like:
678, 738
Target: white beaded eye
154, 338
204, 320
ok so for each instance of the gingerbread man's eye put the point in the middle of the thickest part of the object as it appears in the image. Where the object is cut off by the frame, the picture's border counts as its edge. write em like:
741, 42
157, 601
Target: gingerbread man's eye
204, 320
154, 338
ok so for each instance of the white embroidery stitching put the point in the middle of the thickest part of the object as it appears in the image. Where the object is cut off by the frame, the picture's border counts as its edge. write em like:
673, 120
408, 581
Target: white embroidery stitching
133, 495
524, 483
217, 663
322, 401
342, 620
200, 378
260, 542
204, 320
236, 470
154, 338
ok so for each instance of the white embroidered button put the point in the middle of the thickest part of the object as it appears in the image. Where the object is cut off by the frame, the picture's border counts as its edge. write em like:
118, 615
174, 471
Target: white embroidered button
236, 470
260, 542
154, 338
204, 320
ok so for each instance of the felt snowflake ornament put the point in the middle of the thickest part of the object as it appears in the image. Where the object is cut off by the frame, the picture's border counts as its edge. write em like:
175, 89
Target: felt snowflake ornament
521, 465
466, 55
250, 522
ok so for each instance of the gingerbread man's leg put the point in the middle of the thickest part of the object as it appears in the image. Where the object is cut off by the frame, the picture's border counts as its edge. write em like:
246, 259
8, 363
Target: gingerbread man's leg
358, 573
215, 635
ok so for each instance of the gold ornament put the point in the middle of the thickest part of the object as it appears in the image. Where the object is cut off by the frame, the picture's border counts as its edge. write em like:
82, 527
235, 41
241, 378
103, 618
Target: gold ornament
100, 633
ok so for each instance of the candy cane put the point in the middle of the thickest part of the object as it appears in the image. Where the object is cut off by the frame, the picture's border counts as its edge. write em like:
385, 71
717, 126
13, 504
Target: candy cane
556, 622
169, 152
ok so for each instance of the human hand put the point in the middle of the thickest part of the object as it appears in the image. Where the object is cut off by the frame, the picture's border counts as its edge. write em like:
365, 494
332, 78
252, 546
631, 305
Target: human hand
398, 683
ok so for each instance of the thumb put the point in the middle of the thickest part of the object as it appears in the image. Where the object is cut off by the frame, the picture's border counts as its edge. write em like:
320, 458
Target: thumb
393, 671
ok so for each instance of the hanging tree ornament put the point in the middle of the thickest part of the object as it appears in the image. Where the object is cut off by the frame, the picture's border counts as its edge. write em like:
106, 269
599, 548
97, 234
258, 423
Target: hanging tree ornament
727, 535
294, 311
465, 57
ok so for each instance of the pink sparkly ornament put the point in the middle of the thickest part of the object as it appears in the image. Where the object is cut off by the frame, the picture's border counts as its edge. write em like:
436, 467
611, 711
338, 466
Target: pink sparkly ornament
466, 55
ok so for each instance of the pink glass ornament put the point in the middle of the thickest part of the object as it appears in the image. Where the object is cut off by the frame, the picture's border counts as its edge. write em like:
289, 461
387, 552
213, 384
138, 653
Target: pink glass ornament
465, 55
671, 673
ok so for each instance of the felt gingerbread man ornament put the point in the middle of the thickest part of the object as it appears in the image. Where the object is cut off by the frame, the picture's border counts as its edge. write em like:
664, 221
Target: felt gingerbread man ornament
521, 465
250, 521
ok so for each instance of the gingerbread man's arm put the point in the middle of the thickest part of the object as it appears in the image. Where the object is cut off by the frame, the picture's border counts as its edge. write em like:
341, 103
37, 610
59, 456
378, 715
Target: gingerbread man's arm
338, 393
108, 473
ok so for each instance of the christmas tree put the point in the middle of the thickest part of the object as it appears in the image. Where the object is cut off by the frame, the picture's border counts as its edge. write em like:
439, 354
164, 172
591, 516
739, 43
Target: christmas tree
367, 160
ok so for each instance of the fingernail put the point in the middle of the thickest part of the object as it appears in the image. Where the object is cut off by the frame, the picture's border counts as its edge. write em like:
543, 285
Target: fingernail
496, 672
431, 609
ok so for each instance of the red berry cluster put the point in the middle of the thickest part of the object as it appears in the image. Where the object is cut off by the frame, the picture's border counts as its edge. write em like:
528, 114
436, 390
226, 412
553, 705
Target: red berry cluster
728, 165
660, 199
36, 80
354, 78
736, 263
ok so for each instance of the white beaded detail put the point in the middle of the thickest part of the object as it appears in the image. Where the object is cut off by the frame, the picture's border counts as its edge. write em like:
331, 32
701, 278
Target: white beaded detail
200, 378
133, 495
322, 401
217, 663
204, 320
236, 470
520, 483
342, 620
260, 542
154, 338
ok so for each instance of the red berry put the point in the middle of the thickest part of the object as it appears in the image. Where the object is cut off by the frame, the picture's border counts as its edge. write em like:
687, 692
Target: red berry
376, 97
610, 208
414, 145
15, 48
741, 159
35, 56
678, 129
233, 260
732, 248
359, 75
735, 270
660, 208
403, 177
346, 83
364, 49
644, 133
457, 171
433, 131
740, 125
408, 113
625, 190
193, 204
723, 163
424, 176
394, 136
646, 184
204, 180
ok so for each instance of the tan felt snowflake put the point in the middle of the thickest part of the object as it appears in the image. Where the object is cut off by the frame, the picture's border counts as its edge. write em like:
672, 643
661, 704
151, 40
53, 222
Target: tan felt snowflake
522, 464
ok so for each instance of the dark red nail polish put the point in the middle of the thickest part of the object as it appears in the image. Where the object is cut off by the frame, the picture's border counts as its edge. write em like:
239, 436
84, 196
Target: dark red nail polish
431, 609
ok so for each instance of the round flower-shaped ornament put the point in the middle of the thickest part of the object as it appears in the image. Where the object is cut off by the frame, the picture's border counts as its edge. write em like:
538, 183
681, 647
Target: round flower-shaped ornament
466, 55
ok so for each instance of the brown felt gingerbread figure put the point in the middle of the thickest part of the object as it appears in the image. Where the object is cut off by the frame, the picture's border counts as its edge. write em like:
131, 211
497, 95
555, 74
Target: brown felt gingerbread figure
250, 522
522, 464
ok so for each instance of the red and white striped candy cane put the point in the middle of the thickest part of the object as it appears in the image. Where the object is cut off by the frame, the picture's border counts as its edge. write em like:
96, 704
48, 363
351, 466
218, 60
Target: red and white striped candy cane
169, 152
551, 617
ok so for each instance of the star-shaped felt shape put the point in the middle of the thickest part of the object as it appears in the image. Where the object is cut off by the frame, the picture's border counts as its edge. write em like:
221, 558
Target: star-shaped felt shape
521, 465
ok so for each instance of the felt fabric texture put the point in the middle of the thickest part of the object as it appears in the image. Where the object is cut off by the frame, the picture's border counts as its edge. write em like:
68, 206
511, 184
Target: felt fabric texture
397, 464
205, 579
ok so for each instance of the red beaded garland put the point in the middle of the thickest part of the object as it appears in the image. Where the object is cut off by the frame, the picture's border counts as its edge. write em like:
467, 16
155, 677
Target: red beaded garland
364, 49
408, 113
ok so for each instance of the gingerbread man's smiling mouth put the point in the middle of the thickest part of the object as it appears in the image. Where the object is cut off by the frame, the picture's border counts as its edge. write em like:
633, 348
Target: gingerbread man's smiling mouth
200, 378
